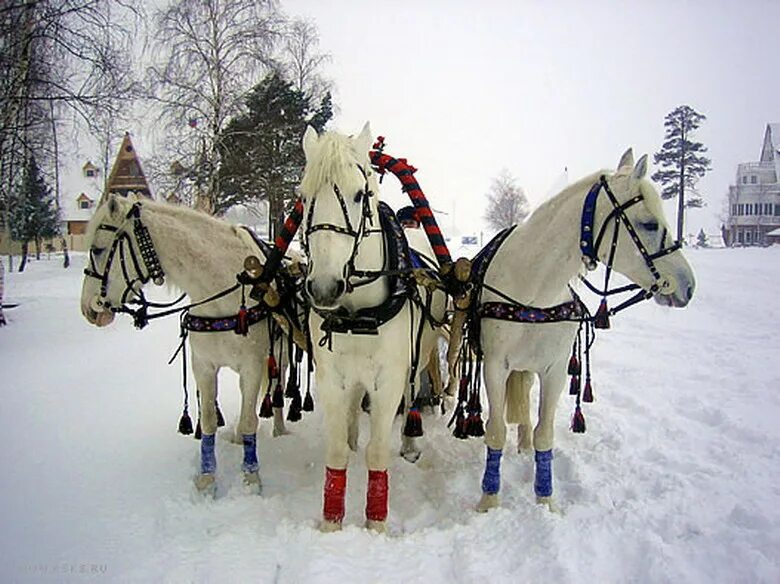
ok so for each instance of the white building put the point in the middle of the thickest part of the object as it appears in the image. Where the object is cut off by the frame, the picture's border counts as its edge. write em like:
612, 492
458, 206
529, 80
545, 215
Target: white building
754, 202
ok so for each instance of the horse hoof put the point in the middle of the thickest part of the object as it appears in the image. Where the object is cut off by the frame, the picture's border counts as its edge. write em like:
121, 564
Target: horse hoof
252, 481
206, 485
549, 502
376, 526
411, 455
487, 502
329, 526
280, 431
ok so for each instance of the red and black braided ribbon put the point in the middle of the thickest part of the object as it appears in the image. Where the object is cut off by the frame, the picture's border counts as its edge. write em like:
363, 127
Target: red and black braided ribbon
405, 173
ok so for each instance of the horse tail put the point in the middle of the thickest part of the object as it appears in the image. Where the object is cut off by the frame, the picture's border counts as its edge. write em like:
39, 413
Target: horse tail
518, 390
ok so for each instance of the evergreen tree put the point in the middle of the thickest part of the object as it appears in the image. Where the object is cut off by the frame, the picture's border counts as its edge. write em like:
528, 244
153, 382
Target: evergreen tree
262, 157
34, 215
702, 240
682, 161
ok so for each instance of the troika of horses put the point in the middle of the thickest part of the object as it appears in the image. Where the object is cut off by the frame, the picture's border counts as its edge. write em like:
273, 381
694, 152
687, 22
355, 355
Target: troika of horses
366, 307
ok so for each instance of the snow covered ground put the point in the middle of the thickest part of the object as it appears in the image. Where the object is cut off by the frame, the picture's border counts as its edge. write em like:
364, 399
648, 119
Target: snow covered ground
676, 479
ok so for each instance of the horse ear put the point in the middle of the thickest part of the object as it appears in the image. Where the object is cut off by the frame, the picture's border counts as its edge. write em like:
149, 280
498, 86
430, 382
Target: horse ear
627, 160
640, 170
113, 204
310, 139
365, 140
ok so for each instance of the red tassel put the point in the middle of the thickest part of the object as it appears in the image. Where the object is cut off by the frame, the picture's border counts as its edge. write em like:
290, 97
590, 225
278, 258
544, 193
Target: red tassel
474, 426
578, 421
601, 320
278, 398
460, 425
308, 403
333, 494
587, 393
198, 433
463, 389
376, 495
574, 385
242, 326
413, 426
266, 408
185, 424
574, 366
273, 368
294, 411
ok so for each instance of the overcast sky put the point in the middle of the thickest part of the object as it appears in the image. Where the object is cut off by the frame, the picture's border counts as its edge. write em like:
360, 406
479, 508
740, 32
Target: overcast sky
465, 88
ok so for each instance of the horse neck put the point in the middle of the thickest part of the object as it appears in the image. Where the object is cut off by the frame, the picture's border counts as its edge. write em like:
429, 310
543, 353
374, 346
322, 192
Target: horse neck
198, 254
542, 255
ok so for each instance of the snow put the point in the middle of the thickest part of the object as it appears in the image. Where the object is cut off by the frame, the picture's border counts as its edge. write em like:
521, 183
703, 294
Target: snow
675, 480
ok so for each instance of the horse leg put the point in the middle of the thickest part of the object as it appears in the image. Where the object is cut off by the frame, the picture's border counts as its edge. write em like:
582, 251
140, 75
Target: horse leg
552, 382
383, 409
336, 407
250, 384
518, 408
206, 379
495, 434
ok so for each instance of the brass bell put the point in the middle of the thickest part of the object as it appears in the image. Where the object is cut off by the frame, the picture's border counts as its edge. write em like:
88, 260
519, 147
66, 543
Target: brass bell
253, 266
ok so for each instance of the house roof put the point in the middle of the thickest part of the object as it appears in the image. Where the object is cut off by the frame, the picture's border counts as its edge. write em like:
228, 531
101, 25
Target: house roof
770, 151
774, 232
127, 175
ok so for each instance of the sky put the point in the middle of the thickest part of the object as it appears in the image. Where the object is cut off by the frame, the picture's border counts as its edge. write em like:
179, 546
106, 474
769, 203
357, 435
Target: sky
464, 89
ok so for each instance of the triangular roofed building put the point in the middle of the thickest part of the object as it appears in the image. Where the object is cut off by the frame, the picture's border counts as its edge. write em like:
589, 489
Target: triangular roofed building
127, 176
754, 201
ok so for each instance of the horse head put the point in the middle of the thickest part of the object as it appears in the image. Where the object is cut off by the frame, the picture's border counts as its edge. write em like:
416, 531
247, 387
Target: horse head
106, 233
339, 191
631, 216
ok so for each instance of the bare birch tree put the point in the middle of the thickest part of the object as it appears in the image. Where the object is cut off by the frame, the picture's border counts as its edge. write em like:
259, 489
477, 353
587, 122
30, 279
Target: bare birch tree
209, 54
506, 202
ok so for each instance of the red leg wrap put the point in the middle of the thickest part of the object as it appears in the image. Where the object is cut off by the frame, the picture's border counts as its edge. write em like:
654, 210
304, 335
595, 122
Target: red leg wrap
376, 497
333, 495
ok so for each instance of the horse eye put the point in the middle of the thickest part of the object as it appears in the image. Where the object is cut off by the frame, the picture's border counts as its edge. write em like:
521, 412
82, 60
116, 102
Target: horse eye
358, 196
650, 226
96, 251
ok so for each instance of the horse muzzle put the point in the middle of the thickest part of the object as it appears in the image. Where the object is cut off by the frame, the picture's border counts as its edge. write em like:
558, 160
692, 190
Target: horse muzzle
324, 293
97, 313
675, 293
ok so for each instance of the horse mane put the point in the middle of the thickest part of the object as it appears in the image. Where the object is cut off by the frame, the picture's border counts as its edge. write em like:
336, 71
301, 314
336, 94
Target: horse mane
333, 158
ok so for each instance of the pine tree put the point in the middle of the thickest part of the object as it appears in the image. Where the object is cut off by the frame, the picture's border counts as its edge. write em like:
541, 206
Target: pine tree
682, 161
34, 215
262, 157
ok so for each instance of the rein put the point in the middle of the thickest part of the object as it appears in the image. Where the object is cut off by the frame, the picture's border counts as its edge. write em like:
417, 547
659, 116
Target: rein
357, 234
590, 250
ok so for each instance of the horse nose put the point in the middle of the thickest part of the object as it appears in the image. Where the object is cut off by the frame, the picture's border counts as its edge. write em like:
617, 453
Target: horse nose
325, 292
689, 292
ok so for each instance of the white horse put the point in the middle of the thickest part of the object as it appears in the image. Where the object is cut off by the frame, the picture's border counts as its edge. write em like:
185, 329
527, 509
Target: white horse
534, 268
200, 255
364, 336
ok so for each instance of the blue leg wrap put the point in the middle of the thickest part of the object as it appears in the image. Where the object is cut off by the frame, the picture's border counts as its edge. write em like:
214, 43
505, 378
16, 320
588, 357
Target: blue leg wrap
250, 453
208, 460
491, 480
543, 482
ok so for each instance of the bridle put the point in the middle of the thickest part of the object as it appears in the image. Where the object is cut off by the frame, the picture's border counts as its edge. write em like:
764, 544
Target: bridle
590, 247
357, 233
146, 268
